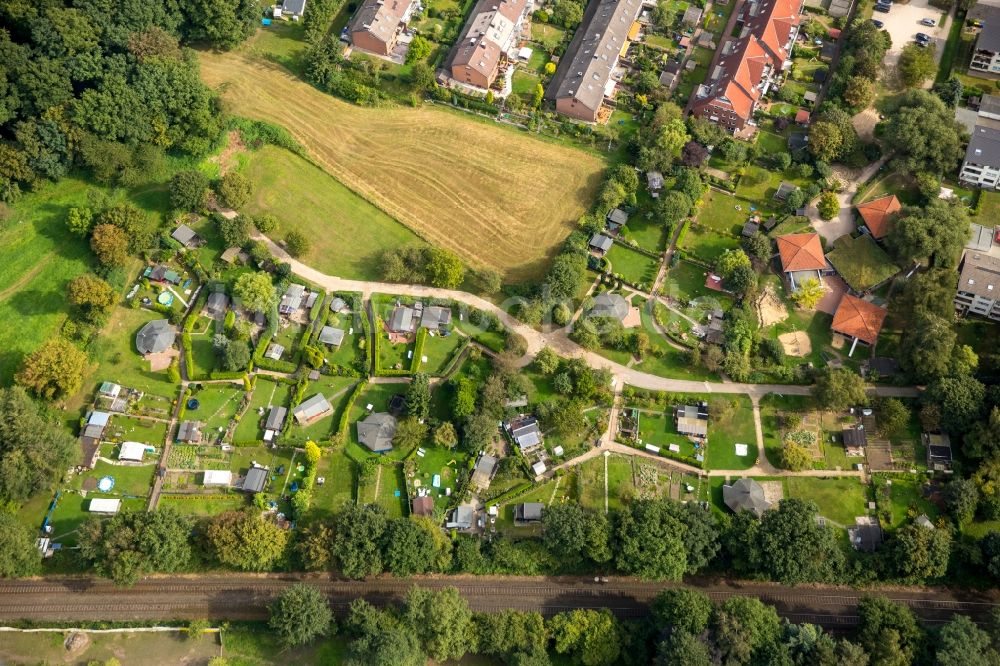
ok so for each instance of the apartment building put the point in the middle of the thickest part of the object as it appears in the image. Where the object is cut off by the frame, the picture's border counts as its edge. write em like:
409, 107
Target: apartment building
979, 286
377, 23
982, 158
986, 51
585, 76
491, 35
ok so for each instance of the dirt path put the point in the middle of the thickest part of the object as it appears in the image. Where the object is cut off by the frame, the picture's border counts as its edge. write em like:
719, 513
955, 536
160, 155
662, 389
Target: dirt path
25, 278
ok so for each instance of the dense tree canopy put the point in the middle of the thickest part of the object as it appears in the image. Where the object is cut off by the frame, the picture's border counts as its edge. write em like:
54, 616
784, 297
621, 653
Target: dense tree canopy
441, 620
938, 231
838, 389
255, 291
19, 556
132, 544
357, 544
54, 370
299, 615
245, 540
34, 450
923, 132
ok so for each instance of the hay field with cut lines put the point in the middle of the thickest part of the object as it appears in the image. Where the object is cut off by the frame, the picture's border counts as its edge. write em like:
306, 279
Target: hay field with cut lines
494, 195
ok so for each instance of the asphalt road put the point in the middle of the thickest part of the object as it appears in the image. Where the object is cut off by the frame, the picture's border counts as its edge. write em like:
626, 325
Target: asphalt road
245, 597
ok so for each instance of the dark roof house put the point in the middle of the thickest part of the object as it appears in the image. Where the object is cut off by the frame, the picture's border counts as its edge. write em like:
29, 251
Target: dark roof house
483, 472
402, 319
525, 433
155, 337
600, 243
423, 506
189, 431
275, 418
331, 336
255, 480
609, 305
435, 316
217, 303
185, 235
528, 512
376, 431
745, 495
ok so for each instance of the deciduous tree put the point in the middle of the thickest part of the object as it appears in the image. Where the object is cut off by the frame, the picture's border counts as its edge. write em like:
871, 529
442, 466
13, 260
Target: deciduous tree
441, 620
575, 533
589, 637
80, 220
920, 553
938, 231
110, 244
132, 544
300, 615
19, 556
838, 389
54, 370
91, 295
650, 541
809, 294
255, 291
188, 189
444, 268
245, 540
418, 396
682, 609
297, 243
916, 65
358, 539
798, 549
34, 450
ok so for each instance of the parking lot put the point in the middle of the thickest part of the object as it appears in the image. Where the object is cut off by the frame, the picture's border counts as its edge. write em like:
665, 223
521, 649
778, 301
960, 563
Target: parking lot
903, 23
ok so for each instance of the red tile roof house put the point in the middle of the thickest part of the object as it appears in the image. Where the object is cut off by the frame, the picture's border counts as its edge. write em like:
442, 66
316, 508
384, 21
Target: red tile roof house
859, 320
746, 64
879, 213
377, 23
491, 34
802, 258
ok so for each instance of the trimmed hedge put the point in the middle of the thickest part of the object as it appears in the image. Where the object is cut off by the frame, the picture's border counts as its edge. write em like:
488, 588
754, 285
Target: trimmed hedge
418, 349
345, 416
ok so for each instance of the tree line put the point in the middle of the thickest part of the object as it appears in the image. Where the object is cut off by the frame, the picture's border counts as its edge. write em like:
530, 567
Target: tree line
683, 627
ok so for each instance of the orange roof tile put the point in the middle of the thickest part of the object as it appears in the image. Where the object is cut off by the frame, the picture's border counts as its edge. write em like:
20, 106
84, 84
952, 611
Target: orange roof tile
801, 252
859, 319
877, 214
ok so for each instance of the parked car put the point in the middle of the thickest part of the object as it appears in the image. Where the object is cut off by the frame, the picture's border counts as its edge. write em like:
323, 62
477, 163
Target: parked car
878, 24
883, 8
928, 22
921, 37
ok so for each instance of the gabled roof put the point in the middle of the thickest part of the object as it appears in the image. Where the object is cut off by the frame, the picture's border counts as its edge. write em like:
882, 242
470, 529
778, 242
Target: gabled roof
255, 480
184, 234
878, 212
217, 302
377, 430
331, 336
401, 319
435, 316
980, 275
189, 431
601, 242
294, 7
275, 418
858, 319
423, 506
490, 29
381, 18
801, 252
585, 68
745, 495
309, 410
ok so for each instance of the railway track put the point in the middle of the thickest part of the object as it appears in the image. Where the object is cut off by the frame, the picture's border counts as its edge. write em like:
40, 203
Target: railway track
246, 597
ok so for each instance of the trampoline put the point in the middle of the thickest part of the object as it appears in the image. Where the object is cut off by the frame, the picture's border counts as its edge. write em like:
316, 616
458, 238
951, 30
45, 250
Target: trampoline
106, 483
193, 403
165, 298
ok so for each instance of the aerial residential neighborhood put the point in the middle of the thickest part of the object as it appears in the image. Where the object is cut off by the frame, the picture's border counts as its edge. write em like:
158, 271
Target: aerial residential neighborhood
500, 332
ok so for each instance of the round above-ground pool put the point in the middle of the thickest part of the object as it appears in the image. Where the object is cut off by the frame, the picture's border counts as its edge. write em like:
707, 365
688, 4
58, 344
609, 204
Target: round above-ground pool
165, 298
106, 483
193, 403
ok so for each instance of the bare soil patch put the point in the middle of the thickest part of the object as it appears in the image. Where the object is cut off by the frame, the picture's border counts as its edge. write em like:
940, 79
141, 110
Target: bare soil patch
796, 343
770, 309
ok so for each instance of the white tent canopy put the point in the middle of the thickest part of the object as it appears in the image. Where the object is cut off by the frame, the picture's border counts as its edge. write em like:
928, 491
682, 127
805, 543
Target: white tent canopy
104, 505
132, 451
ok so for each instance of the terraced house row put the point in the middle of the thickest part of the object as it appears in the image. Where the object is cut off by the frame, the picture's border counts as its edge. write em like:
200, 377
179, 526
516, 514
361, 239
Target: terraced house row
588, 73
746, 66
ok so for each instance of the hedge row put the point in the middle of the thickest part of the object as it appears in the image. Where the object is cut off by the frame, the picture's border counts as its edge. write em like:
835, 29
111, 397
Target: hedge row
665, 453
632, 245
418, 349
346, 414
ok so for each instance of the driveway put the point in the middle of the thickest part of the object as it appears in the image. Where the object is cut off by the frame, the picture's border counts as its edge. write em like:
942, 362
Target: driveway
903, 23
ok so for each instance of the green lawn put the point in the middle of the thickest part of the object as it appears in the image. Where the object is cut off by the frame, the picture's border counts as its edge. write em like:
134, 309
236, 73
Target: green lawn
649, 233
991, 205
906, 500
339, 478
902, 185
549, 36
668, 361
840, 500
686, 281
719, 212
439, 352
707, 245
348, 353
524, 82
724, 434
771, 143
336, 390
759, 184
633, 266
72, 512
443, 462
266, 394
347, 232
657, 428
861, 262
204, 506
118, 361
130, 481
38, 258
661, 42
217, 405
134, 429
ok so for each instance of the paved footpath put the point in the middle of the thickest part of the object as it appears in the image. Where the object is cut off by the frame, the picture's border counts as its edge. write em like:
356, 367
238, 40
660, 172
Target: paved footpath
557, 339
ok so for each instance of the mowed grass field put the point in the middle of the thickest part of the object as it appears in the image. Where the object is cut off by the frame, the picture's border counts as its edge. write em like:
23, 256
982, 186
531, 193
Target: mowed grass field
347, 232
497, 197
38, 258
